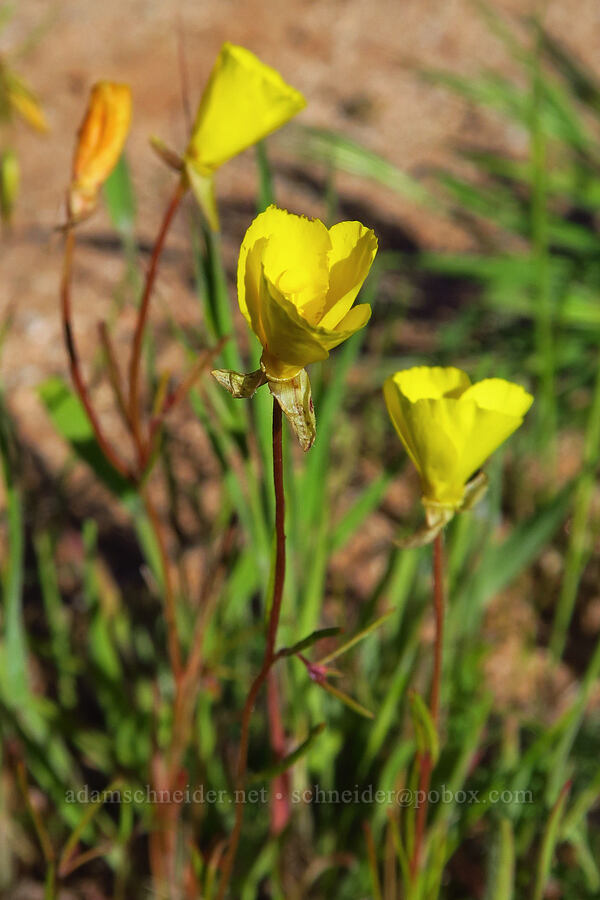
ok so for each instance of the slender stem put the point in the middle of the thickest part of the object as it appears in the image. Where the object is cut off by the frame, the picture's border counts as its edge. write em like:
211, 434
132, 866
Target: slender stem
188, 685
425, 761
74, 366
114, 373
270, 655
168, 587
176, 396
279, 531
134, 366
280, 788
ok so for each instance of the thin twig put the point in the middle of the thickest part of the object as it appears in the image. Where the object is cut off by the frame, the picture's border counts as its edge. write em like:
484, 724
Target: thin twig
187, 688
169, 588
75, 368
172, 400
114, 372
38, 824
134, 367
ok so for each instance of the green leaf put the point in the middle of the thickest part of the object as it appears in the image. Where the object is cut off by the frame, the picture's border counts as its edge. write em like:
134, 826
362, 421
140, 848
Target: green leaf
501, 875
365, 632
354, 517
120, 198
345, 699
427, 737
13, 658
308, 641
502, 563
549, 841
69, 418
340, 152
266, 188
288, 761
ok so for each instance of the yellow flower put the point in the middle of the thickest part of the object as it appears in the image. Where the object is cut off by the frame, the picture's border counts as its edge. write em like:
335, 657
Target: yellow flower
100, 143
297, 282
449, 427
243, 102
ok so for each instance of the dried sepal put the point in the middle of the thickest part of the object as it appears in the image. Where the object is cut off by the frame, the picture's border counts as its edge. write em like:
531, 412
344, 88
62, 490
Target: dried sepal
475, 490
295, 399
239, 386
437, 516
170, 157
427, 533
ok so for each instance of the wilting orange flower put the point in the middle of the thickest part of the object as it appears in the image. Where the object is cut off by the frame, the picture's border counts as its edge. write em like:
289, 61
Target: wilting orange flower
100, 142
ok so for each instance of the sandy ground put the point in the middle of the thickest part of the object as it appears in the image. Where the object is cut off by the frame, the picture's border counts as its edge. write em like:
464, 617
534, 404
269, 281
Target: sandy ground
355, 60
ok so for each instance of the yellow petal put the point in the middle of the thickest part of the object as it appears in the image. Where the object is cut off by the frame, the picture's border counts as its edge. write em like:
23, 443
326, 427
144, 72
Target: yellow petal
500, 407
431, 381
293, 255
353, 249
291, 340
500, 395
243, 102
426, 427
287, 335
283, 276
295, 260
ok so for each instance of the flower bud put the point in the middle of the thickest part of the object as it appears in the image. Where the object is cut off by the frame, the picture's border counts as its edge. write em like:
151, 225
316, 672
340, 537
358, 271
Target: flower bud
100, 143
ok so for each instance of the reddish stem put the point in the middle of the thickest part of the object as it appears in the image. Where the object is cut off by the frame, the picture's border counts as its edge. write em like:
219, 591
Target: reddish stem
424, 761
280, 788
270, 655
169, 589
74, 365
134, 366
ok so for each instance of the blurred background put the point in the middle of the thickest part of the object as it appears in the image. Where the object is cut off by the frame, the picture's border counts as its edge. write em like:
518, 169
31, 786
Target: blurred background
358, 63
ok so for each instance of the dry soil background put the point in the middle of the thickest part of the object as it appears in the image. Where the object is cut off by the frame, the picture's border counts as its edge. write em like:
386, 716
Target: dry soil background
353, 59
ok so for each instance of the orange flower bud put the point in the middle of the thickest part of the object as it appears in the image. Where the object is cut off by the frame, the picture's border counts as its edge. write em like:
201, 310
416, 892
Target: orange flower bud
101, 138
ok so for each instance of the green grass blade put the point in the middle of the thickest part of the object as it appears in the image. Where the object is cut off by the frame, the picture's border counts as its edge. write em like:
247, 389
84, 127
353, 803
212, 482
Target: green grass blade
501, 877
13, 659
549, 842
342, 153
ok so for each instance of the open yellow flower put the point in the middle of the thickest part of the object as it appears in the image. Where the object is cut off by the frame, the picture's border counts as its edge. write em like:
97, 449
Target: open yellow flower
297, 282
449, 426
244, 101
100, 143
